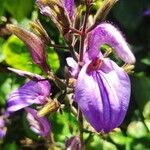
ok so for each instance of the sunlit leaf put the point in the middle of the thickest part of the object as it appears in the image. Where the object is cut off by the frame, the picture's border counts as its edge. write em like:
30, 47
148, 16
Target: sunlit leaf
17, 55
19, 9
141, 90
53, 59
137, 129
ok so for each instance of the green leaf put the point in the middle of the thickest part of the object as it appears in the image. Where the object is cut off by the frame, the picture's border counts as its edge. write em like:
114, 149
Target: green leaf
17, 55
146, 61
1, 7
1, 53
10, 146
137, 129
118, 138
19, 9
63, 126
141, 90
6, 86
53, 59
94, 143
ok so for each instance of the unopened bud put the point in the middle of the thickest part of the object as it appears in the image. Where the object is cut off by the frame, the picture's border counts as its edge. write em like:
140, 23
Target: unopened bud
27, 74
34, 43
56, 11
103, 12
50, 107
73, 143
40, 31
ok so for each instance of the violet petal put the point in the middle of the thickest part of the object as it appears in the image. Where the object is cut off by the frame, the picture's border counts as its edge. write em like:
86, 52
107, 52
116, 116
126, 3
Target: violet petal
39, 125
30, 93
69, 6
103, 95
106, 33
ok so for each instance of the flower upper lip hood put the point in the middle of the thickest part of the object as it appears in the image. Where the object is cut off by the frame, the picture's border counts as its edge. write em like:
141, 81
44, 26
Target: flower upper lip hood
105, 33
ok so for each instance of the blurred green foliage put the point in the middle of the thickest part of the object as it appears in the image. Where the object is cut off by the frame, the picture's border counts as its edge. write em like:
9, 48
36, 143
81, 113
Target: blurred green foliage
128, 15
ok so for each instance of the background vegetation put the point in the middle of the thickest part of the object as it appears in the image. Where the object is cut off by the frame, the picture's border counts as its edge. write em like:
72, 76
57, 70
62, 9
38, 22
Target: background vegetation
129, 16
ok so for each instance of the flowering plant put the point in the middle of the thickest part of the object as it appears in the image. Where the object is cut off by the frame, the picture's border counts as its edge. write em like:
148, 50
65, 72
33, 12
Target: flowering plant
97, 88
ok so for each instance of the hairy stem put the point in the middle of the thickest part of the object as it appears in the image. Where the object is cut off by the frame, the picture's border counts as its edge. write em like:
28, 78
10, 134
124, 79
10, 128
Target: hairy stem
83, 33
80, 121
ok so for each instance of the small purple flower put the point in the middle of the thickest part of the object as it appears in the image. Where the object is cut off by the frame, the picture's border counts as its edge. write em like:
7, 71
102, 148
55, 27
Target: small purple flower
147, 12
34, 43
3, 121
74, 68
39, 125
2, 127
33, 92
106, 33
69, 6
102, 92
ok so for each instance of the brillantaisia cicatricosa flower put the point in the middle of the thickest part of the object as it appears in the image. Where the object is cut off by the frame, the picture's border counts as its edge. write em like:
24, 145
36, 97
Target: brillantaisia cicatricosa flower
102, 89
34, 91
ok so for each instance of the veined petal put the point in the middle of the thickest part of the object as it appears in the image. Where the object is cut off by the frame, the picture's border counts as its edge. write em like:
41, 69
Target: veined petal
39, 125
106, 33
33, 92
73, 65
69, 6
103, 95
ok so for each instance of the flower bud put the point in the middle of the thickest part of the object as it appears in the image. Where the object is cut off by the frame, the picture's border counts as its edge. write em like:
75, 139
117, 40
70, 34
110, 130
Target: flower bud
34, 43
40, 31
56, 11
103, 11
73, 143
51, 106
32, 76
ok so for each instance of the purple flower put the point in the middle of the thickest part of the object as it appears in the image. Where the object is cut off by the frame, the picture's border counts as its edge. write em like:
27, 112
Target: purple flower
33, 92
106, 33
69, 6
3, 120
74, 68
39, 125
34, 43
2, 127
147, 12
102, 89
102, 92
